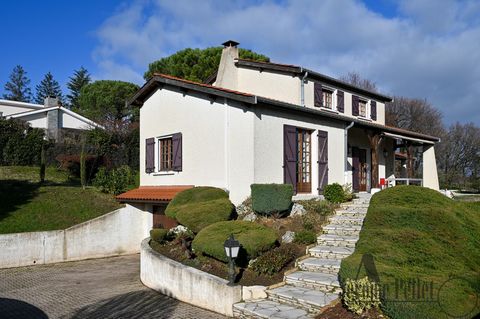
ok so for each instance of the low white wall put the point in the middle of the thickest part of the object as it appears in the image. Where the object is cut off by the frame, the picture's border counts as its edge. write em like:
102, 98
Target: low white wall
186, 283
116, 233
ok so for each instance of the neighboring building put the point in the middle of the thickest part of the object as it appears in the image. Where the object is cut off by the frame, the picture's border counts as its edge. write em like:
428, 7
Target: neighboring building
51, 116
258, 122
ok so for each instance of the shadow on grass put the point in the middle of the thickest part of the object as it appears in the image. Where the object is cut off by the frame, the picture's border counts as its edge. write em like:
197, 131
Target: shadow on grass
137, 304
11, 308
14, 193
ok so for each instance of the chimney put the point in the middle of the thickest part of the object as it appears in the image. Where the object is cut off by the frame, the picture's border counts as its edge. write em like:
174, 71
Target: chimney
227, 71
50, 101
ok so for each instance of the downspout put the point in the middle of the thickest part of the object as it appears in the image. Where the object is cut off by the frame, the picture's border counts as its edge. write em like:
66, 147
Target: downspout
346, 150
302, 87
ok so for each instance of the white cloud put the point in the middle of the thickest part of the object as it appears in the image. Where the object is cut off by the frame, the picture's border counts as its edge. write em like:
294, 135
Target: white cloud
431, 50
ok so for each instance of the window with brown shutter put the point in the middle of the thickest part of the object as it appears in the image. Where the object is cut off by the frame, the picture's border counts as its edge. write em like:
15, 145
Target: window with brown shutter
362, 108
165, 154
149, 155
373, 110
327, 97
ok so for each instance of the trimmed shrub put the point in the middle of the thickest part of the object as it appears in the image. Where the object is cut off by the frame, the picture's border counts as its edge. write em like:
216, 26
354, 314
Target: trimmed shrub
159, 235
274, 260
334, 193
306, 237
198, 207
254, 239
115, 181
360, 295
271, 198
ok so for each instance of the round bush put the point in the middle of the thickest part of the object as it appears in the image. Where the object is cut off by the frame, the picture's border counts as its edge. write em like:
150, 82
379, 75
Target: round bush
199, 207
254, 239
334, 193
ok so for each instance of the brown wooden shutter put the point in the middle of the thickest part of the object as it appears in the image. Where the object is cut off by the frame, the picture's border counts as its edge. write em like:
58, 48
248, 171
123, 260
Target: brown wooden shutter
290, 155
149, 155
373, 110
340, 102
355, 169
177, 152
318, 97
322, 160
355, 105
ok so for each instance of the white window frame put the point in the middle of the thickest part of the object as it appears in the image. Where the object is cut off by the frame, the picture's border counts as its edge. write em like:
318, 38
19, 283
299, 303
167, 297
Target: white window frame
334, 99
157, 156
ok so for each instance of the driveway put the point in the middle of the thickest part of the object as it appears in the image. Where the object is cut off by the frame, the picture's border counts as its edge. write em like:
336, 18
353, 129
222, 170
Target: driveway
98, 288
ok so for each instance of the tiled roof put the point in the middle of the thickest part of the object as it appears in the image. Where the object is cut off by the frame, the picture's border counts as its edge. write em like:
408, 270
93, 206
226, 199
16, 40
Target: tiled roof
203, 84
152, 193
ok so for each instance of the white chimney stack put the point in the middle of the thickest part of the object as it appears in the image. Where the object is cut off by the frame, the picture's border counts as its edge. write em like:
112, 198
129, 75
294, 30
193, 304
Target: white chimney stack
227, 71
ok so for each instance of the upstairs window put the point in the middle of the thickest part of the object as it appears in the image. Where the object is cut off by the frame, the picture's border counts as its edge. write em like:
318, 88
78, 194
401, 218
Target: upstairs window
165, 153
362, 108
327, 98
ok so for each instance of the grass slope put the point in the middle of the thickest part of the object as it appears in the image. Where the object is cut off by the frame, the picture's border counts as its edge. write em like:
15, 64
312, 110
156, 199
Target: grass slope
417, 233
58, 204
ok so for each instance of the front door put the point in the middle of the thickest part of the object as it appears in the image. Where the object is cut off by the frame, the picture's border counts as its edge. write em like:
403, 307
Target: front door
160, 220
304, 161
360, 169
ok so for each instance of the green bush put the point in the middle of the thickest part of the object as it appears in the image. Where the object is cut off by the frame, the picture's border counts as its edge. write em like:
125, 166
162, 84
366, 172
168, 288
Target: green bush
320, 207
254, 238
115, 181
334, 193
271, 198
306, 237
274, 260
159, 235
198, 207
360, 295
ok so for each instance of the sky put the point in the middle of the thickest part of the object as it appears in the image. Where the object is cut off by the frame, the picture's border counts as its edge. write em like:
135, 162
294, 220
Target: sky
428, 49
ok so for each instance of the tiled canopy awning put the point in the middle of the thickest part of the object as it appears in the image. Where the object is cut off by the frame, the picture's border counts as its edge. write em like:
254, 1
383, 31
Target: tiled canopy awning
152, 193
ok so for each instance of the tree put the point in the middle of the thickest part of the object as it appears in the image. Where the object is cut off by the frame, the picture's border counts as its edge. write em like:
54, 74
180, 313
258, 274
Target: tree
195, 64
413, 115
355, 79
18, 86
48, 87
80, 78
106, 102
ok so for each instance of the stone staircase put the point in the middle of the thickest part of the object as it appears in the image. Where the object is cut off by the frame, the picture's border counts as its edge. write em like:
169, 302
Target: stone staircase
313, 283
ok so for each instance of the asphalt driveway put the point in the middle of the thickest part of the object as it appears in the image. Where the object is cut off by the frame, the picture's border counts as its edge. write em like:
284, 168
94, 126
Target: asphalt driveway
98, 288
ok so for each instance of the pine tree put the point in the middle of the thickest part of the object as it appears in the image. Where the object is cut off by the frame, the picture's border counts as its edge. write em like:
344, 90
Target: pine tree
18, 86
48, 87
79, 79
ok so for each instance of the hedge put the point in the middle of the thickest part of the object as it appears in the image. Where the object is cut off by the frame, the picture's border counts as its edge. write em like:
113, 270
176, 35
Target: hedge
198, 207
271, 198
254, 239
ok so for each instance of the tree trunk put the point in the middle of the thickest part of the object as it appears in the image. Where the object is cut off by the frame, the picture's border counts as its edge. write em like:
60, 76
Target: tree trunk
374, 139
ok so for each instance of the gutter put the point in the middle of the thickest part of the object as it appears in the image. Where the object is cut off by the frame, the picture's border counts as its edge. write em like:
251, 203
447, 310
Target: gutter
346, 149
302, 87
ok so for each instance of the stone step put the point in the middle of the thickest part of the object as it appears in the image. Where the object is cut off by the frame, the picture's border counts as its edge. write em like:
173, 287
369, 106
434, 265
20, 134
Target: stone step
342, 230
330, 252
360, 201
351, 213
303, 298
337, 241
355, 206
268, 309
314, 280
345, 220
329, 266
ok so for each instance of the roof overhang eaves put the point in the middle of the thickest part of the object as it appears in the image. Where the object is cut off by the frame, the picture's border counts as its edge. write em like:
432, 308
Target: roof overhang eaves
158, 81
347, 119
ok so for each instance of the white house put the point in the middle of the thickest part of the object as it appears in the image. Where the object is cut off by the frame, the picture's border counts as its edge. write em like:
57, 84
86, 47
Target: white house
258, 122
51, 116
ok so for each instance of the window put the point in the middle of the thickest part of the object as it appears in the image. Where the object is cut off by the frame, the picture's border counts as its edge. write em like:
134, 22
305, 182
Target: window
165, 154
327, 98
362, 108
304, 161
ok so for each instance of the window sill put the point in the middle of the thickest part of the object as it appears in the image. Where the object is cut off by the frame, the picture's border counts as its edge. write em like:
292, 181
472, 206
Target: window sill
364, 118
328, 110
164, 173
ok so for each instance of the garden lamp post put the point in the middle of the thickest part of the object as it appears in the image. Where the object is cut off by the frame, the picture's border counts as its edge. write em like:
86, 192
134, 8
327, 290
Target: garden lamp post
232, 247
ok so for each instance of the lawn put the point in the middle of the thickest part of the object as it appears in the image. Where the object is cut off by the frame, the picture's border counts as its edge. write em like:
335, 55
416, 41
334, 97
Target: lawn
59, 203
426, 250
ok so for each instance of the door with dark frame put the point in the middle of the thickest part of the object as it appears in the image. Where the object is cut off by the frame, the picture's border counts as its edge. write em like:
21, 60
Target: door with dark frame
304, 161
360, 169
160, 220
